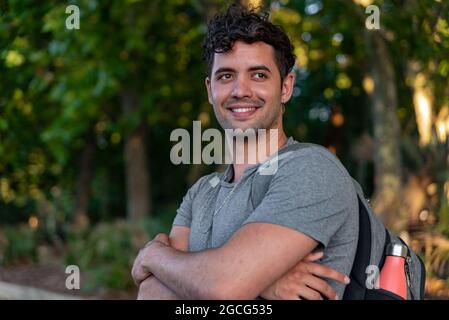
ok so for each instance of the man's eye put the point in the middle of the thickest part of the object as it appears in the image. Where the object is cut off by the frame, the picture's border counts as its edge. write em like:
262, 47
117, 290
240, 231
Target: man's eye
225, 76
260, 75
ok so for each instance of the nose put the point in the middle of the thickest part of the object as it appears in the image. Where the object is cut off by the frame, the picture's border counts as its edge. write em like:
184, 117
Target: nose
241, 88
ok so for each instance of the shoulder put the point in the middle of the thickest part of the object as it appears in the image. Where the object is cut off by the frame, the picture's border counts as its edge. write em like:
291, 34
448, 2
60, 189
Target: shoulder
308, 156
312, 170
206, 182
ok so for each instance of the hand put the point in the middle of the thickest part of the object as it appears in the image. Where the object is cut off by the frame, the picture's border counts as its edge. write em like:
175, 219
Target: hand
139, 272
304, 281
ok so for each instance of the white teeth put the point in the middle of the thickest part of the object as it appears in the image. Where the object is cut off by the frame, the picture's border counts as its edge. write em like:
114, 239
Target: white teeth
243, 109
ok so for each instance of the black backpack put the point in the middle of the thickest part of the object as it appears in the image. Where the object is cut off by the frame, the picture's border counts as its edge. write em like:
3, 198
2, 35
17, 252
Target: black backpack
365, 256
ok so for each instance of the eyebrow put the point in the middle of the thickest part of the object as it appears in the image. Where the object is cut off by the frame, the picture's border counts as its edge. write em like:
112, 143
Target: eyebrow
259, 67
253, 68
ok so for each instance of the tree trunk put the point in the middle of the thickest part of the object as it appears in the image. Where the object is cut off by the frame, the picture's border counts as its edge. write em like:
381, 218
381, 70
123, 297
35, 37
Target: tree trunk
387, 198
137, 175
83, 184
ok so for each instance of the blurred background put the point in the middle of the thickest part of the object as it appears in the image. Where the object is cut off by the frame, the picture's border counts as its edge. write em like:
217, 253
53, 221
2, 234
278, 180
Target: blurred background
86, 116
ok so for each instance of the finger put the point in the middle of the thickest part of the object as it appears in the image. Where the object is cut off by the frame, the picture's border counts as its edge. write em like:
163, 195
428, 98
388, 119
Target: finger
313, 256
144, 277
135, 276
321, 286
146, 245
138, 273
309, 294
162, 237
134, 271
139, 276
327, 272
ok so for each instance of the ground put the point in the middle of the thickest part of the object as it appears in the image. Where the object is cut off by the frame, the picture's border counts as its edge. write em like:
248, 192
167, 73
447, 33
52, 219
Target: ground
52, 278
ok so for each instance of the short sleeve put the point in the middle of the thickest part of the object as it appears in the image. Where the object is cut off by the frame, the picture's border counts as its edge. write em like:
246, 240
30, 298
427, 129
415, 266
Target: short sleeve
184, 213
309, 193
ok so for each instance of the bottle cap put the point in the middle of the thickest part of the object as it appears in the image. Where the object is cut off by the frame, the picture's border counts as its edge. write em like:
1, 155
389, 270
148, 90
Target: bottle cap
398, 250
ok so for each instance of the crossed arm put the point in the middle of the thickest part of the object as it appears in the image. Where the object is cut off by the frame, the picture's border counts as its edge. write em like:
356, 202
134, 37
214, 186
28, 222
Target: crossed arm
252, 260
151, 288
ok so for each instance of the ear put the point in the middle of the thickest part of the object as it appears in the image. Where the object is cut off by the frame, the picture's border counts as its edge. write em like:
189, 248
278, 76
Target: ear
287, 87
208, 88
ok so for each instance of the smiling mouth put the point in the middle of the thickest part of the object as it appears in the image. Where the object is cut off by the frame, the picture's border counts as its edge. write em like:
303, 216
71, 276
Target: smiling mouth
243, 111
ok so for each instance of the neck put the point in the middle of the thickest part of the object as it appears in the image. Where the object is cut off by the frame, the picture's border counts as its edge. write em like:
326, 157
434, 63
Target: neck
264, 148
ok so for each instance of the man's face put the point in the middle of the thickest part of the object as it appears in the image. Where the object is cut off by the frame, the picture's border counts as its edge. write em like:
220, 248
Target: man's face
245, 87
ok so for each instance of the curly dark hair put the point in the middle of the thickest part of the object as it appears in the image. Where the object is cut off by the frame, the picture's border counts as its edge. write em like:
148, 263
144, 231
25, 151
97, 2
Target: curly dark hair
240, 23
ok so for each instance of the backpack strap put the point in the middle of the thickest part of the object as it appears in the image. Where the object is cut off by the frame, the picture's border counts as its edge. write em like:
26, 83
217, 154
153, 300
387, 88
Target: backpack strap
356, 289
367, 242
387, 242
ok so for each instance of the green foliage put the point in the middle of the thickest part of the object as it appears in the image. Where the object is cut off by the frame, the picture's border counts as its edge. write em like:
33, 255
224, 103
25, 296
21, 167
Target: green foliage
58, 87
18, 244
107, 251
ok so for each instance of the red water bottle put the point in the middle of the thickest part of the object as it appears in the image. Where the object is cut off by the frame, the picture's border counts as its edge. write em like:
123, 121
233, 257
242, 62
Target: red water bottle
393, 275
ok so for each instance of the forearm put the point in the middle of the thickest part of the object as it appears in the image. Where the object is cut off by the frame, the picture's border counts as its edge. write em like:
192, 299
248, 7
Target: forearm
152, 289
189, 275
236, 270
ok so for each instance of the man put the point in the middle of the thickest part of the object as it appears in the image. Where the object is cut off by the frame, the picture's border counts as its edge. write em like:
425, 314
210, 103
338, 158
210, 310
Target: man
223, 245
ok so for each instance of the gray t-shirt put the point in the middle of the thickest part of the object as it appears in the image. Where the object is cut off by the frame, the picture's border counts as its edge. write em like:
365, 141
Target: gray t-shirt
311, 192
